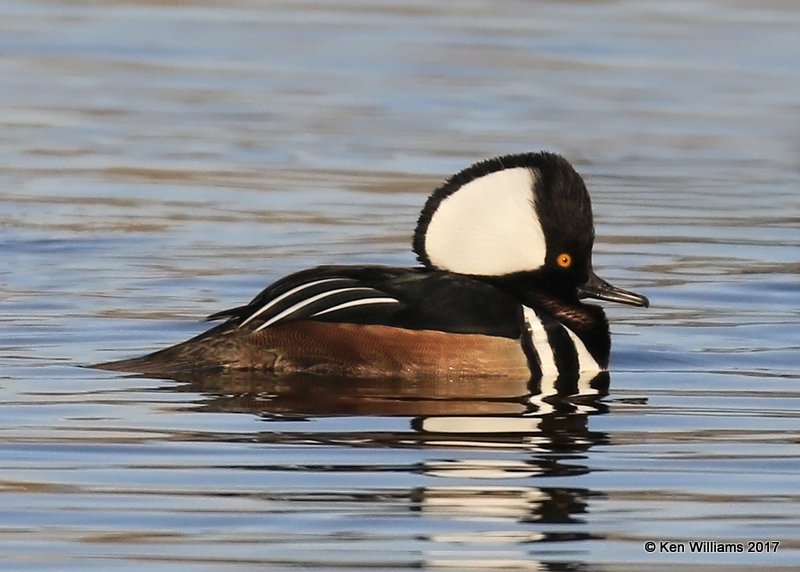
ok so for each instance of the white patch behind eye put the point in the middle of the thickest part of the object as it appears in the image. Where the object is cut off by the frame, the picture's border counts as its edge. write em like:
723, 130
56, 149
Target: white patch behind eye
488, 227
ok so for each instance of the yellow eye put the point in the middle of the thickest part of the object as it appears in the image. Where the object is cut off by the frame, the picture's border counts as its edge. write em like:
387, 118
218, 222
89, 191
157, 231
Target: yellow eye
564, 260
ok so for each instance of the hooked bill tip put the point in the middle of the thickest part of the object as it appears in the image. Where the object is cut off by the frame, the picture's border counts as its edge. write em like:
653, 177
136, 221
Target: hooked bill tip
599, 289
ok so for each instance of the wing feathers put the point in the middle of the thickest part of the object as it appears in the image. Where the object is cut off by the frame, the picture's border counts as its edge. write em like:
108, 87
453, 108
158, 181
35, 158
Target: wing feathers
408, 298
294, 291
322, 302
354, 303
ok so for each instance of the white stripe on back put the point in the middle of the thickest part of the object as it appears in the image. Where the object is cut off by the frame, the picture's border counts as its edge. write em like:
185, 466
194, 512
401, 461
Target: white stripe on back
353, 303
286, 294
292, 309
541, 344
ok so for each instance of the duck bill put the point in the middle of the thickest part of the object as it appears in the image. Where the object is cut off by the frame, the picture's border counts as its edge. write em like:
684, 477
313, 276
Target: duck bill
598, 288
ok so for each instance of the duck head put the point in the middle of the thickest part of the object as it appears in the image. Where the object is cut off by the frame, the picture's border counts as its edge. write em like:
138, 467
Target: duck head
522, 221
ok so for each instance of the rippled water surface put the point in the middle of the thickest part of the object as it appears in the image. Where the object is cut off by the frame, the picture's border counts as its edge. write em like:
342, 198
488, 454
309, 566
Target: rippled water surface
164, 160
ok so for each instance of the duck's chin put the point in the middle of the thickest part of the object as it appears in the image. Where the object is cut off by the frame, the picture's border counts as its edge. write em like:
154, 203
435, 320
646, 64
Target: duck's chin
576, 314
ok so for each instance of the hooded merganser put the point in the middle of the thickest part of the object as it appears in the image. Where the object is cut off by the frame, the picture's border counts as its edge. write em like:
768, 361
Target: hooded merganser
506, 253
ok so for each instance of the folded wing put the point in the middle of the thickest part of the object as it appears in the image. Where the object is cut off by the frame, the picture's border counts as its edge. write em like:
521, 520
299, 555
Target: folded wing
417, 299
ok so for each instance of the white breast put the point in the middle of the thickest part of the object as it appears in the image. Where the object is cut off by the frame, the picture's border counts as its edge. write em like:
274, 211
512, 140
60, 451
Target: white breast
547, 358
586, 362
588, 367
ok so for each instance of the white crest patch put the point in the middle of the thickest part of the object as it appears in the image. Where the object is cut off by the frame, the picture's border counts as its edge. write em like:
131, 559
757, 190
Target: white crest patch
488, 227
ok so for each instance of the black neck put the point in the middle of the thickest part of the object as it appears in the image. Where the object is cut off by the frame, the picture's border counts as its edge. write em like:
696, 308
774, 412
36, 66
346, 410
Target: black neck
587, 321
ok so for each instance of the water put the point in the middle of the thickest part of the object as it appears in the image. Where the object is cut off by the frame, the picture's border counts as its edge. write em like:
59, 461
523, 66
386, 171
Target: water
162, 161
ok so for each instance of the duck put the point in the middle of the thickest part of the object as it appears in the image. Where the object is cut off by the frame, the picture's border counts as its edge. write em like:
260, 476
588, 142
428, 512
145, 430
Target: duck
505, 266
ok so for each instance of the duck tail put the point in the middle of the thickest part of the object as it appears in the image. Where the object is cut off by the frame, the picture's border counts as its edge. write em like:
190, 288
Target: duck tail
211, 350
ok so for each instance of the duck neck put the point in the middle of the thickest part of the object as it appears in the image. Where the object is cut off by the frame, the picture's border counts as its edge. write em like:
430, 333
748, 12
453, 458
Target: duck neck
587, 321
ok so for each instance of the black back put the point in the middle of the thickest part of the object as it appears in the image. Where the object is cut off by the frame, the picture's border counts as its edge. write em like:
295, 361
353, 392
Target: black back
421, 300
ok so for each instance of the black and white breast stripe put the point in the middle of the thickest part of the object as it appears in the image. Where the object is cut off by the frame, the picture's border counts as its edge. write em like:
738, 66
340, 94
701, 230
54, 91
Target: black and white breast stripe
316, 298
561, 356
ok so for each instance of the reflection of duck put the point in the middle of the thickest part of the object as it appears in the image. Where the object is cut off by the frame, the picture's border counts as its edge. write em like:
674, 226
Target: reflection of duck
488, 404
521, 527
528, 504
475, 451
506, 249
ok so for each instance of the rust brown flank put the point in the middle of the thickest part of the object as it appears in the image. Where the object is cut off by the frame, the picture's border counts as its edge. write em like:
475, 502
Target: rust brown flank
384, 350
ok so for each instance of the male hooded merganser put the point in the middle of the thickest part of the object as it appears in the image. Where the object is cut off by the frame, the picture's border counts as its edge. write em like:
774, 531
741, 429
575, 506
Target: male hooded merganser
506, 253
